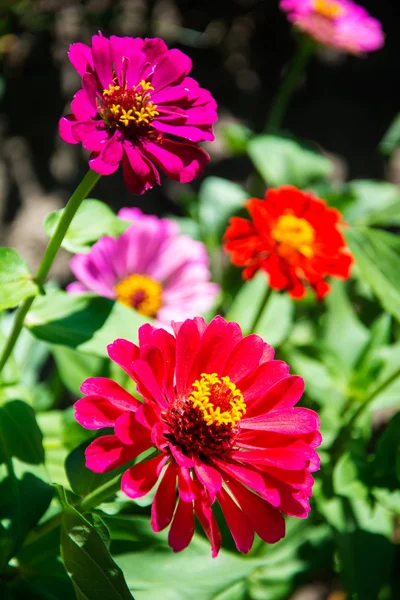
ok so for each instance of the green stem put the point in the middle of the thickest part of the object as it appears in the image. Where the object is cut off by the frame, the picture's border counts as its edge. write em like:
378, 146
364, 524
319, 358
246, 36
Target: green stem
281, 101
341, 441
260, 310
81, 192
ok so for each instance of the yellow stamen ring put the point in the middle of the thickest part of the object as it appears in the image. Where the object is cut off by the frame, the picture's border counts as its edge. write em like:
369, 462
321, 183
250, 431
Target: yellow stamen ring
294, 233
328, 8
141, 293
206, 393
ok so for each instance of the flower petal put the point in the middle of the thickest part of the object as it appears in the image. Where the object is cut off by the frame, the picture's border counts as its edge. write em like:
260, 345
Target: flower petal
141, 478
111, 391
181, 162
238, 523
107, 453
81, 57
171, 68
295, 421
209, 477
163, 507
182, 529
123, 353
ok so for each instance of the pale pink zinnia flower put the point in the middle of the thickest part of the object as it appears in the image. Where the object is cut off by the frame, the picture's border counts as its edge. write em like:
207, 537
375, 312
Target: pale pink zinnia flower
341, 24
135, 94
221, 416
151, 268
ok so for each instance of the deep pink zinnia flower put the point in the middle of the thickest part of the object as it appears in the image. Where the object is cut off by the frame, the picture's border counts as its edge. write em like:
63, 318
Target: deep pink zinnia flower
220, 413
341, 24
151, 267
135, 94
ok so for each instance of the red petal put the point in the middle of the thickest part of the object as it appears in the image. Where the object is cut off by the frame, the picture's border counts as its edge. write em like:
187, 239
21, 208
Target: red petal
162, 509
182, 528
140, 479
239, 525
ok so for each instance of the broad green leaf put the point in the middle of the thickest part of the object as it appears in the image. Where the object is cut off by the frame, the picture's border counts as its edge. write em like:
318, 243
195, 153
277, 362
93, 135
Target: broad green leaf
93, 220
94, 574
219, 199
282, 161
16, 282
374, 203
386, 464
86, 323
236, 136
276, 318
344, 334
392, 137
20, 433
52, 425
379, 264
74, 367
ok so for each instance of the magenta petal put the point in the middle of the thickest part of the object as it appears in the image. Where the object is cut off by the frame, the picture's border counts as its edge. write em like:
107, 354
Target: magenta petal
239, 525
180, 458
140, 174
189, 132
253, 479
209, 477
80, 56
111, 391
123, 353
244, 357
163, 507
172, 67
186, 485
82, 107
93, 412
207, 520
266, 520
107, 453
187, 345
91, 134
131, 432
295, 421
147, 383
97, 164
182, 162
112, 153
182, 529
258, 383
65, 125
141, 478
102, 59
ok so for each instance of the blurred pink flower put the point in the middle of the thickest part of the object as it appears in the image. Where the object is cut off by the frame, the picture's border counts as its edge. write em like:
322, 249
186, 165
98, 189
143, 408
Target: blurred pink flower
151, 267
135, 93
220, 414
341, 24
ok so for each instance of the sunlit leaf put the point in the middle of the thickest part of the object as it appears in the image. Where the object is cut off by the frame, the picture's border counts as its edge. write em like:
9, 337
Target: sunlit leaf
16, 282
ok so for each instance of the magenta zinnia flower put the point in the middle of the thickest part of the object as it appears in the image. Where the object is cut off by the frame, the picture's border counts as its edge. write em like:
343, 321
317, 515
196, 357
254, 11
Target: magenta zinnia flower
135, 94
219, 412
341, 24
151, 268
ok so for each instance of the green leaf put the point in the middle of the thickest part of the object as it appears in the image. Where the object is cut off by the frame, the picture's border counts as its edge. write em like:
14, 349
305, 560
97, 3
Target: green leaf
74, 367
86, 323
93, 220
19, 432
219, 199
374, 203
52, 425
15, 279
276, 319
379, 264
282, 161
236, 136
88, 562
392, 137
386, 464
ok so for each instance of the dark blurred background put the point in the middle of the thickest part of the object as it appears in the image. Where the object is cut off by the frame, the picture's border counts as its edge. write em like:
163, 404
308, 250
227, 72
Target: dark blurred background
239, 49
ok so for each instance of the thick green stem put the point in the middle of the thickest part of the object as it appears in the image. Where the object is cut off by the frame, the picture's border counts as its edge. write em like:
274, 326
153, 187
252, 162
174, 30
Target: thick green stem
344, 435
260, 310
81, 192
303, 54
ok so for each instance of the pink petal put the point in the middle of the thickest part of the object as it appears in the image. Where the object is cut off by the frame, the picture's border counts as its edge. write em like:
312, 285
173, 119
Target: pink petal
239, 525
112, 153
283, 395
172, 67
93, 412
292, 457
131, 432
111, 391
107, 453
163, 507
180, 458
209, 477
82, 107
267, 521
217, 343
291, 421
181, 162
102, 59
182, 529
191, 133
257, 383
141, 478
148, 415
244, 357
123, 353
187, 346
97, 164
80, 56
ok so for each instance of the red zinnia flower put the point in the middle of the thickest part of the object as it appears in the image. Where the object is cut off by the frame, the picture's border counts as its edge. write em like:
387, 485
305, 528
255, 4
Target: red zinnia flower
292, 236
219, 411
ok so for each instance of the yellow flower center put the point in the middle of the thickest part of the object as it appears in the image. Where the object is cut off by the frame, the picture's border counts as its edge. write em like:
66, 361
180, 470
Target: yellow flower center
141, 293
294, 233
128, 107
218, 400
328, 8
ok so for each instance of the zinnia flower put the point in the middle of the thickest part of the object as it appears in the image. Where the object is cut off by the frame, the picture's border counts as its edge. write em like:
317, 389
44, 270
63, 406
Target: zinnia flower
341, 24
135, 94
219, 412
151, 267
292, 236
